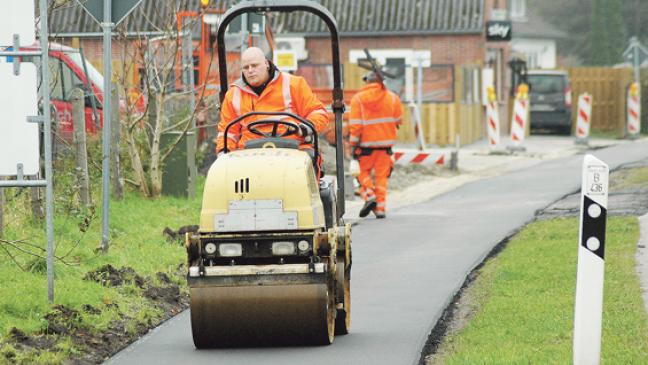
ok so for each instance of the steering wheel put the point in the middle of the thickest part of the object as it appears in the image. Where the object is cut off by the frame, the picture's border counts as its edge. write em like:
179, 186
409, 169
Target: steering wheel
291, 128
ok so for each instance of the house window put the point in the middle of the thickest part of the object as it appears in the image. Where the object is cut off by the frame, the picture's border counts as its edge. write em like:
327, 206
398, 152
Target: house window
518, 8
532, 60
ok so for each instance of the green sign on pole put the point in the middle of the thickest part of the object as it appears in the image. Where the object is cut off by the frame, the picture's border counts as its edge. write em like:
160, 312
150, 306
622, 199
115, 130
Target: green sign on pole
119, 9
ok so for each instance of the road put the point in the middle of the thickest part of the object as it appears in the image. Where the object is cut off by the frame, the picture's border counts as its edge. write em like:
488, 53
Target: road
406, 269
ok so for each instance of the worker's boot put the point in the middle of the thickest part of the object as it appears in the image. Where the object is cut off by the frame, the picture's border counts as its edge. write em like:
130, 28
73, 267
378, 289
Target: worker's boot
368, 206
380, 214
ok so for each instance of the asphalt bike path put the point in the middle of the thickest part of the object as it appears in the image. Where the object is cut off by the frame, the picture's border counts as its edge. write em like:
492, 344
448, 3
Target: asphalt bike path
406, 269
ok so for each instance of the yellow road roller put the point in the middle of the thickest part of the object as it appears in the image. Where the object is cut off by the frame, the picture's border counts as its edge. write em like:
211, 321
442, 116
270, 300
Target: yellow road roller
271, 262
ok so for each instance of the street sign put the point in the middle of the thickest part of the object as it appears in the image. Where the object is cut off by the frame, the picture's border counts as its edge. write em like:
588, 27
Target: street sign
119, 9
285, 60
498, 31
18, 138
641, 54
19, 19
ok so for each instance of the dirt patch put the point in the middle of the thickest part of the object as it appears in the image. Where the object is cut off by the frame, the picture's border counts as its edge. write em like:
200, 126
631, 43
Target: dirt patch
107, 275
179, 235
92, 346
26, 342
62, 321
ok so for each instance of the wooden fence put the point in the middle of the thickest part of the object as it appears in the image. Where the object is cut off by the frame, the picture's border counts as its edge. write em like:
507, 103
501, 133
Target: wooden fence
608, 89
442, 122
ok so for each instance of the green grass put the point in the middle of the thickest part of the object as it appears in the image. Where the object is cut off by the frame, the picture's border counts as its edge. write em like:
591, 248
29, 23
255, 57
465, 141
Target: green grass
631, 178
136, 241
523, 301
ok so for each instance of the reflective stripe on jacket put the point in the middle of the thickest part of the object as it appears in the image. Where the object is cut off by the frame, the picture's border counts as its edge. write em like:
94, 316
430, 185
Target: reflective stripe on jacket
284, 92
375, 114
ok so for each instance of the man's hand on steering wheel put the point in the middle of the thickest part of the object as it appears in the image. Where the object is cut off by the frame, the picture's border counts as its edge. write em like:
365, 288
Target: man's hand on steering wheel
306, 133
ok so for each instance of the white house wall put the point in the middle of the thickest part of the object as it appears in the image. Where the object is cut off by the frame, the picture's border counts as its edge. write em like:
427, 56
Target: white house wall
540, 53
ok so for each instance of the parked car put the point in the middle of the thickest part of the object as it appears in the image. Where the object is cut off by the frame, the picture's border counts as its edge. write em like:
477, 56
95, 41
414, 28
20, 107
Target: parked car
550, 96
69, 70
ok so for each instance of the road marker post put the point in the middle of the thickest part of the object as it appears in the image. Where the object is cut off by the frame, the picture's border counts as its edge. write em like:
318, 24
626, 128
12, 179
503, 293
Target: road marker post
634, 111
584, 118
519, 119
492, 119
588, 307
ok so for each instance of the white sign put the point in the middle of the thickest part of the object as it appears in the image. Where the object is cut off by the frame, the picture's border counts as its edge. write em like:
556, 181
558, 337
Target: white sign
17, 19
18, 138
597, 180
488, 79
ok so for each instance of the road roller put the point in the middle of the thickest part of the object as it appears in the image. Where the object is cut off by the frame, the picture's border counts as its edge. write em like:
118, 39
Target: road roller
271, 261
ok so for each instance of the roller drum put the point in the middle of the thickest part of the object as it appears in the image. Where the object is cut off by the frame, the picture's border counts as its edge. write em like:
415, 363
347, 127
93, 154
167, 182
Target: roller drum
241, 316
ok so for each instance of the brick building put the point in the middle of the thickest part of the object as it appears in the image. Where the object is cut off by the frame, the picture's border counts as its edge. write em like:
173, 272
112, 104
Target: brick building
445, 36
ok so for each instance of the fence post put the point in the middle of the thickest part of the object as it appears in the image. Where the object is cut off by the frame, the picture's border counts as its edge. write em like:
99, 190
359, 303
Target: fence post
78, 117
117, 181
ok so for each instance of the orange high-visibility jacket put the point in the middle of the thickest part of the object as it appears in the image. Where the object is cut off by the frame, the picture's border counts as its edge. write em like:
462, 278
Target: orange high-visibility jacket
375, 114
284, 92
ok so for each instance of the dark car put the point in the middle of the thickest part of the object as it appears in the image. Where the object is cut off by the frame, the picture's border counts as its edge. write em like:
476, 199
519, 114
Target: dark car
550, 95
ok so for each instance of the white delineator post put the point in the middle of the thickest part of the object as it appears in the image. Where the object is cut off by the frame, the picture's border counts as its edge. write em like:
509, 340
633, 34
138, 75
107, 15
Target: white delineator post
492, 119
519, 118
415, 112
588, 308
584, 118
634, 110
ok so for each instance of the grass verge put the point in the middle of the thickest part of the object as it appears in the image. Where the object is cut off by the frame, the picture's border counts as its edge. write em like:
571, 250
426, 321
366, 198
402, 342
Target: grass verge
521, 304
143, 285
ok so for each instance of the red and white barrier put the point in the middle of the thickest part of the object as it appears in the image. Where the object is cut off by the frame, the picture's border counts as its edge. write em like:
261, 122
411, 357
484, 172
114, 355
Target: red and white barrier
634, 110
412, 157
492, 119
519, 118
584, 118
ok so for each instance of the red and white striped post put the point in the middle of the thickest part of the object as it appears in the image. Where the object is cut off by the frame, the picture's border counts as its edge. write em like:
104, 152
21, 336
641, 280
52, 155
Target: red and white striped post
492, 119
634, 111
588, 306
519, 118
584, 118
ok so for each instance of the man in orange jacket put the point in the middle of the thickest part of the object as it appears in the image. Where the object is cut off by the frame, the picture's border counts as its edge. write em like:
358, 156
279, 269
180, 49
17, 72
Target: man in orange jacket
375, 116
262, 87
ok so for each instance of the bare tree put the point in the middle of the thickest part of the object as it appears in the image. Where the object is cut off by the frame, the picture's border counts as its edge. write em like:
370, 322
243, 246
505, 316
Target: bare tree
157, 105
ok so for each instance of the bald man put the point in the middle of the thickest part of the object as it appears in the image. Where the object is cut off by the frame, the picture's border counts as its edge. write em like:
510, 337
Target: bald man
262, 87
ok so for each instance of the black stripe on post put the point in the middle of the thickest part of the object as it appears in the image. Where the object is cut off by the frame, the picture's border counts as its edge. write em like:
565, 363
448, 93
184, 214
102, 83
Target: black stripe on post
593, 226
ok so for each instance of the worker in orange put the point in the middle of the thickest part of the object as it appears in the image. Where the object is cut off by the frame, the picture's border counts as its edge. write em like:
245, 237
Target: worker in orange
375, 117
262, 87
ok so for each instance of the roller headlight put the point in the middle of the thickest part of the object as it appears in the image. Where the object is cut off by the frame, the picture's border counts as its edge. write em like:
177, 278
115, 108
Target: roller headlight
283, 248
230, 249
210, 248
303, 245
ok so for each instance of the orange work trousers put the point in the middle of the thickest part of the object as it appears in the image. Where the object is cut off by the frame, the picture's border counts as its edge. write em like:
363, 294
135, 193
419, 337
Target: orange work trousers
380, 163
